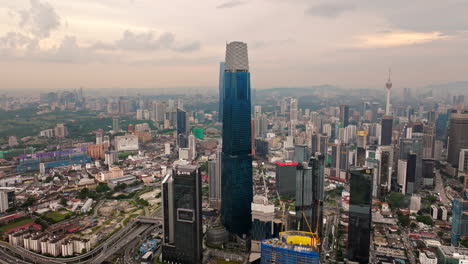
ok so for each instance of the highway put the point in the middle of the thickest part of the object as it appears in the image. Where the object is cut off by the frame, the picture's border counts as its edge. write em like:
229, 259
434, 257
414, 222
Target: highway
6, 258
121, 243
105, 250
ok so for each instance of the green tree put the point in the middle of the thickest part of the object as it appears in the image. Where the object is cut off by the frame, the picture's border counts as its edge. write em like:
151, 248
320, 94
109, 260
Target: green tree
63, 201
425, 219
41, 222
396, 200
431, 199
30, 201
102, 187
404, 220
83, 194
120, 187
48, 179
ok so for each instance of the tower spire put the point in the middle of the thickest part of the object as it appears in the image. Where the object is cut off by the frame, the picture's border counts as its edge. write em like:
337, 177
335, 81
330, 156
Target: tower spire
388, 85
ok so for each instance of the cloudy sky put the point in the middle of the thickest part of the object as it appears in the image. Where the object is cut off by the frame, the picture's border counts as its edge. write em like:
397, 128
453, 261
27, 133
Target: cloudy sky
178, 43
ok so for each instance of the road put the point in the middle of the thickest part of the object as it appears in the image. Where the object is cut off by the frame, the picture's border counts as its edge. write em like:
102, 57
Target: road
440, 188
122, 242
97, 255
408, 247
6, 258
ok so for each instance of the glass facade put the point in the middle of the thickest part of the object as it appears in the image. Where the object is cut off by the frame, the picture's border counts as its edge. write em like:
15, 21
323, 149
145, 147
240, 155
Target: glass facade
237, 194
360, 205
221, 90
459, 221
182, 139
309, 195
387, 126
182, 216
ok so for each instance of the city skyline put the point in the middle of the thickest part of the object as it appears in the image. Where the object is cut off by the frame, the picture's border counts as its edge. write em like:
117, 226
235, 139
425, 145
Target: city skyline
313, 43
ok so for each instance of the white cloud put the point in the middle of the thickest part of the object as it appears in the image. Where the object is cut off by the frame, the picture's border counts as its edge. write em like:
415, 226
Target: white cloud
390, 39
231, 4
330, 10
40, 20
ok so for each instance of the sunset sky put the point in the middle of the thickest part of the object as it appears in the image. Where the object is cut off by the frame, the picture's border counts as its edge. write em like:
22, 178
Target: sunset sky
62, 44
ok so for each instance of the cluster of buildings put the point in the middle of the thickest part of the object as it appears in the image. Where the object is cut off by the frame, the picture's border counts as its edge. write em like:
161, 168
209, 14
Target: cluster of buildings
49, 245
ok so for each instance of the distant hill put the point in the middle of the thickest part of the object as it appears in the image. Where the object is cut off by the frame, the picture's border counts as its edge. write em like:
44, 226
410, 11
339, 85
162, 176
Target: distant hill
298, 91
452, 87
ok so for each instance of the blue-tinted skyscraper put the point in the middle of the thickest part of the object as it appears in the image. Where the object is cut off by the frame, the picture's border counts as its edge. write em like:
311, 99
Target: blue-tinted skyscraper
182, 131
237, 192
221, 90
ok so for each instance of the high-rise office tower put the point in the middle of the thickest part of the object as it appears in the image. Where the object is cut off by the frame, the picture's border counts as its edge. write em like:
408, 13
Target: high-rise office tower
221, 90
182, 131
214, 180
458, 137
301, 153
257, 111
182, 205
360, 205
286, 178
413, 146
344, 115
386, 132
459, 220
115, 124
428, 172
159, 111
428, 141
293, 113
192, 144
237, 143
401, 176
384, 155
411, 184
124, 106
463, 162
309, 194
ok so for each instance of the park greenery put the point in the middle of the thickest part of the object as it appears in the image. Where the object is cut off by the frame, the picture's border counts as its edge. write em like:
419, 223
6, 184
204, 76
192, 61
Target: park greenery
397, 200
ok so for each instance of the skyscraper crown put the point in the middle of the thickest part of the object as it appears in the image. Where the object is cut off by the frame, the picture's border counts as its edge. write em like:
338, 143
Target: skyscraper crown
236, 57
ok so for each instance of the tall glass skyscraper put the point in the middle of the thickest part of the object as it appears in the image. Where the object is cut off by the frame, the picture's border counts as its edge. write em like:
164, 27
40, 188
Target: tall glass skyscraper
360, 205
237, 191
182, 131
221, 90
182, 205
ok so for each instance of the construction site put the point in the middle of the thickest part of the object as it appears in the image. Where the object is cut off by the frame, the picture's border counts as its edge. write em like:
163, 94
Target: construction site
291, 247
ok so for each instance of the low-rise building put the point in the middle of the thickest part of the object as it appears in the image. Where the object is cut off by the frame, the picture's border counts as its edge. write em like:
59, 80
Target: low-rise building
114, 172
450, 254
427, 257
128, 179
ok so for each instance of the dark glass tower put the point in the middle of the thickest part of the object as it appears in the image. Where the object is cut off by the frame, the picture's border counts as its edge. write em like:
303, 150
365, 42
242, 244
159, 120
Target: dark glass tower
387, 127
458, 137
221, 91
309, 194
360, 205
182, 138
237, 191
182, 206
344, 115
